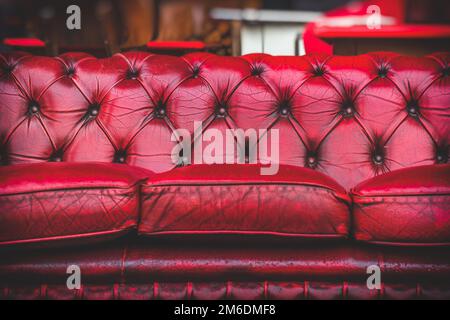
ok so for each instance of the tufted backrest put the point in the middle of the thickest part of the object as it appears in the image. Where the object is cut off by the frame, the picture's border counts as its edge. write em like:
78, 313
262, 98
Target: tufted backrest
349, 117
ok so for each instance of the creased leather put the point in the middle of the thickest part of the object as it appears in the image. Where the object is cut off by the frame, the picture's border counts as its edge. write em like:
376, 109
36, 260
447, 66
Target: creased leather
45, 202
410, 206
237, 199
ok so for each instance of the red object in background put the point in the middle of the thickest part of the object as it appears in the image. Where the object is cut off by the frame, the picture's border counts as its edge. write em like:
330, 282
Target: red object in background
386, 32
124, 109
320, 37
23, 42
176, 45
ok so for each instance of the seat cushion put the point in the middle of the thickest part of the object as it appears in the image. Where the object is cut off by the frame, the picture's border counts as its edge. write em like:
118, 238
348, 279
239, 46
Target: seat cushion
407, 206
63, 201
237, 199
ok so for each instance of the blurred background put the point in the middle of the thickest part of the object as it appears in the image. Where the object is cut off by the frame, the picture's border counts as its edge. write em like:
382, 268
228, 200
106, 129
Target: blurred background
227, 27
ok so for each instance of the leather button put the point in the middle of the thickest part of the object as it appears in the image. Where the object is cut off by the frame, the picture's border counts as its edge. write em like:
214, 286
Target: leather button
382, 72
94, 109
256, 70
284, 111
441, 157
413, 109
284, 108
132, 74
311, 160
160, 109
57, 156
347, 108
70, 71
33, 107
318, 71
378, 159
160, 112
120, 156
221, 110
195, 71
348, 112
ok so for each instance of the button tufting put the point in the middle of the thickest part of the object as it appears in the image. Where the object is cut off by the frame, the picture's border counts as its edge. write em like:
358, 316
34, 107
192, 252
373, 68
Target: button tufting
284, 108
160, 109
311, 160
412, 108
378, 159
70, 71
441, 156
132, 73
195, 71
56, 156
33, 107
446, 71
120, 156
94, 109
318, 71
221, 110
382, 72
348, 109
256, 70
348, 112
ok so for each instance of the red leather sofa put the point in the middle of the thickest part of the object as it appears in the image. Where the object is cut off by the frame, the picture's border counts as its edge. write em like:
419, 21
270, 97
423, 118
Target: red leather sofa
88, 177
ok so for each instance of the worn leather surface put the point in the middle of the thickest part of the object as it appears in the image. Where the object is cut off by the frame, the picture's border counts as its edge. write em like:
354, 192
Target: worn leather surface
407, 206
229, 290
351, 118
201, 199
145, 270
134, 261
44, 202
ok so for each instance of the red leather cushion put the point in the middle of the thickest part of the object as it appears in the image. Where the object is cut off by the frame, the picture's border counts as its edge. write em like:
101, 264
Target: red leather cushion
61, 201
407, 206
237, 199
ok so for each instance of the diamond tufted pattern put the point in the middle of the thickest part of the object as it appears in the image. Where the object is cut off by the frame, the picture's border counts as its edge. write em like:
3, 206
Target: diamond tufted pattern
351, 118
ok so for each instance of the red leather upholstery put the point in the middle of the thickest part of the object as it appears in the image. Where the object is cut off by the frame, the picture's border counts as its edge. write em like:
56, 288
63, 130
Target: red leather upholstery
323, 106
343, 119
162, 271
408, 206
231, 290
238, 199
44, 202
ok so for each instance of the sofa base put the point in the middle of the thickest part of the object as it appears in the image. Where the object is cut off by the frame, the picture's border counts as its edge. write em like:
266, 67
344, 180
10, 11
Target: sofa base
151, 268
230, 290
